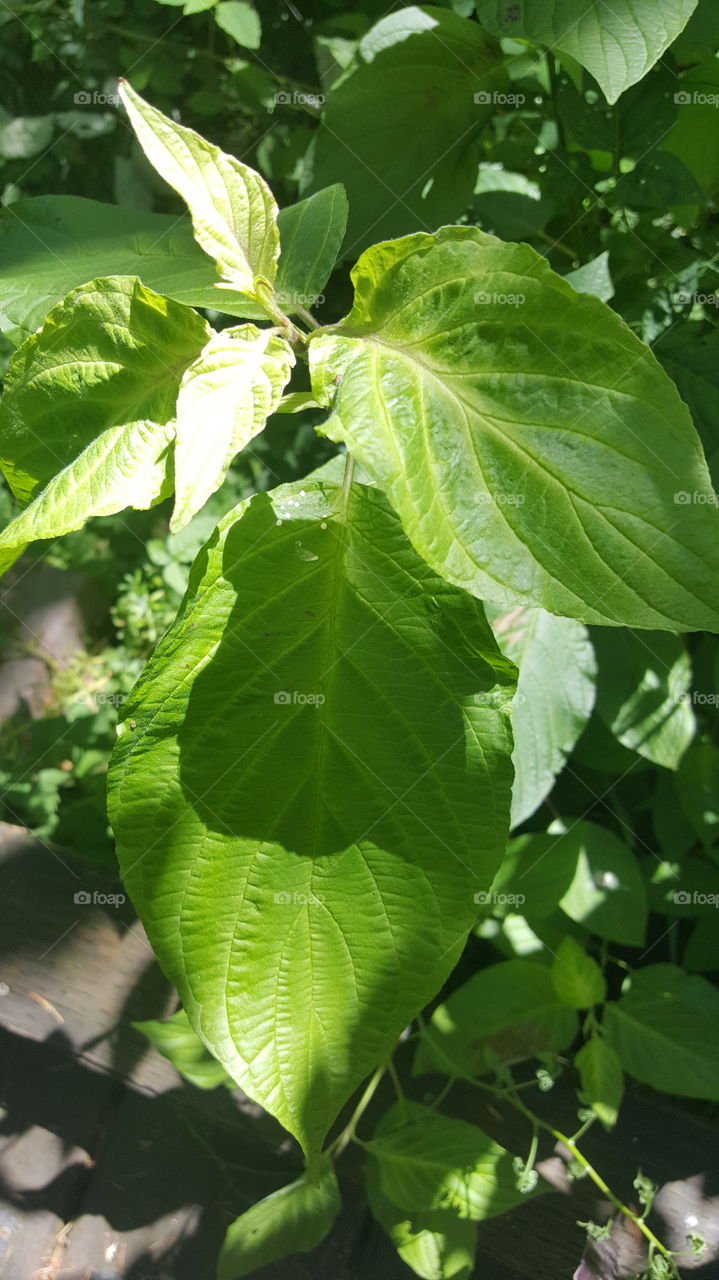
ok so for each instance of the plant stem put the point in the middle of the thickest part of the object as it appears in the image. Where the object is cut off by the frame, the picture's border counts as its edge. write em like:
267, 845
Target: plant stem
345, 1137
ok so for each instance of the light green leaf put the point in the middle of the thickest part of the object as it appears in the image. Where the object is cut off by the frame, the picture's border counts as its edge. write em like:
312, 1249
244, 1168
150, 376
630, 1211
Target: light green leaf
311, 234
607, 893
617, 42
309, 787
234, 384
593, 277
536, 871
241, 21
175, 1040
532, 446
233, 210
602, 1079
576, 977
427, 1162
293, 1220
127, 466
643, 692
297, 402
554, 698
507, 1012
416, 64
437, 1246
665, 1031
111, 354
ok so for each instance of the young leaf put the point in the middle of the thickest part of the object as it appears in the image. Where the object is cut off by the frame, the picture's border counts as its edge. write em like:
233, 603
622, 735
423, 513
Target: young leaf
506, 1012
642, 692
175, 1040
241, 21
576, 977
233, 210
618, 43
602, 1079
111, 354
665, 1031
607, 892
125, 466
437, 1246
311, 234
235, 384
533, 447
416, 64
293, 1220
427, 1162
554, 699
310, 785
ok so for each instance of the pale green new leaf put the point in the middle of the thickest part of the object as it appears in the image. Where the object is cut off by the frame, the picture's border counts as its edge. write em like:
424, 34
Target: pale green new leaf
665, 1031
125, 466
554, 698
234, 214
427, 1162
602, 1079
310, 785
437, 1246
618, 41
576, 977
174, 1038
293, 1220
225, 398
531, 444
241, 21
110, 355
643, 692
506, 1012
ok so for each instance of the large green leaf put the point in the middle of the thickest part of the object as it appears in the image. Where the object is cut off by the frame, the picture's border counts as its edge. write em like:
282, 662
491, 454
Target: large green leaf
554, 698
643, 692
311, 234
125, 466
617, 42
665, 1031
234, 214
51, 244
533, 447
293, 1220
506, 1012
417, 64
310, 785
437, 1246
234, 384
111, 354
426, 1162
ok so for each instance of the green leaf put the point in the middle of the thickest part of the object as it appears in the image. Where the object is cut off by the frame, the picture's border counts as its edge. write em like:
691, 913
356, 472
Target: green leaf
691, 358
602, 1079
234, 214
416, 64
125, 466
111, 354
643, 692
427, 1162
617, 43
24, 136
553, 444
437, 1246
241, 21
554, 698
701, 953
293, 1220
607, 893
665, 1031
593, 277
506, 1012
311, 234
175, 1040
694, 138
510, 204
309, 786
697, 786
536, 871
576, 977
235, 384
